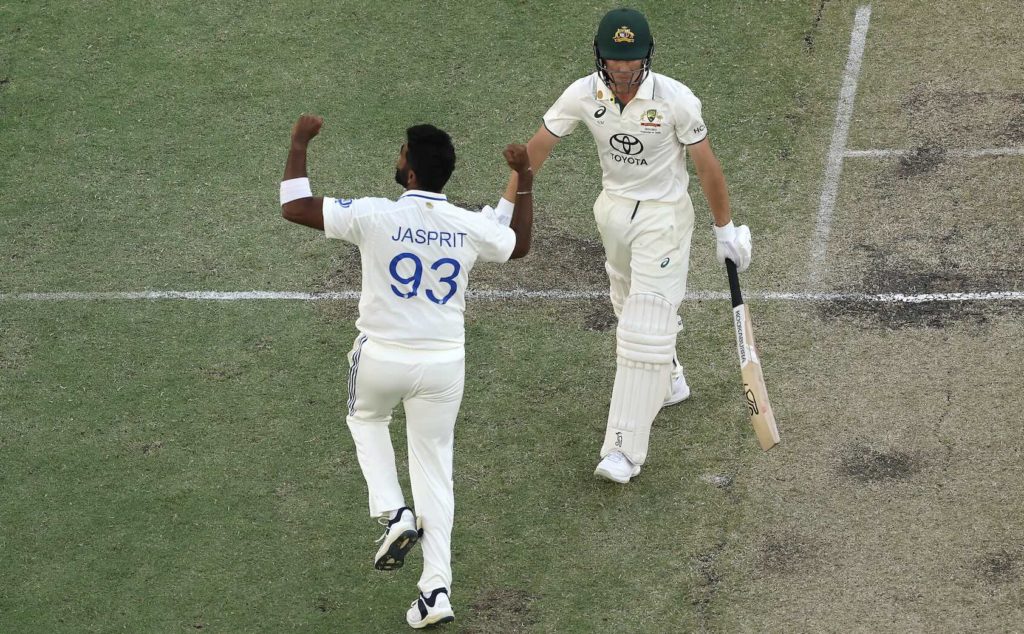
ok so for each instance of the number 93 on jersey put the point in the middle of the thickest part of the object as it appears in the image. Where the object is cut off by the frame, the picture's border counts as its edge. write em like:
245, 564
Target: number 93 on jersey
408, 271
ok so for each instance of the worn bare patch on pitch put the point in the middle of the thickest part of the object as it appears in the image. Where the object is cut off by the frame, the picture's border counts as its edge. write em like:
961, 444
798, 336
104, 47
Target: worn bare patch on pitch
709, 578
500, 610
921, 160
926, 223
1001, 566
965, 117
944, 71
867, 464
783, 552
900, 456
601, 317
556, 260
897, 316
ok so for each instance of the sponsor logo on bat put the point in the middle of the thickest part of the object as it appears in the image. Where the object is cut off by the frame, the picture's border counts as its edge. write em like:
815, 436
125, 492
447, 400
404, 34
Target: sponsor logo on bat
741, 334
752, 407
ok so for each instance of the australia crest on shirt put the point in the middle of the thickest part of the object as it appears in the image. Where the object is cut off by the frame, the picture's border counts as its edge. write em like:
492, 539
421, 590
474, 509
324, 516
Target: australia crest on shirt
651, 121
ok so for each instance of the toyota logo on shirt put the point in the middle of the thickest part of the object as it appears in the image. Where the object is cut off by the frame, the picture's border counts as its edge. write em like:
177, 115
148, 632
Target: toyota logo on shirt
627, 144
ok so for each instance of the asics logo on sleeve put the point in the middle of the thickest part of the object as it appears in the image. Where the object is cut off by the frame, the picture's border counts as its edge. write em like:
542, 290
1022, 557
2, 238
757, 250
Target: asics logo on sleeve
600, 112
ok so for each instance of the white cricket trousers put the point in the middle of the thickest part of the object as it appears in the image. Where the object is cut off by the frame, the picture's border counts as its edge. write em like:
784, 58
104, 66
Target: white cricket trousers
430, 385
646, 246
647, 252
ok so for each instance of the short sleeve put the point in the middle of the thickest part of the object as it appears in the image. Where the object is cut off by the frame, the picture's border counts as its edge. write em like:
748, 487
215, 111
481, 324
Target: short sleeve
346, 218
690, 126
495, 241
563, 117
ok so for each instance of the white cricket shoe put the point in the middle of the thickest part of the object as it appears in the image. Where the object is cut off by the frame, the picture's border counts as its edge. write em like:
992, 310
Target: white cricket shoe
617, 468
400, 535
430, 610
679, 391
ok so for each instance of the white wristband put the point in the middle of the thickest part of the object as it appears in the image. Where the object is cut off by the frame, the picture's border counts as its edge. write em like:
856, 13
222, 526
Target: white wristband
725, 233
503, 211
294, 189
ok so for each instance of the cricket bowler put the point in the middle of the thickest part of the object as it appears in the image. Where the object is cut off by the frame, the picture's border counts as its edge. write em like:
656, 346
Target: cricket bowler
416, 254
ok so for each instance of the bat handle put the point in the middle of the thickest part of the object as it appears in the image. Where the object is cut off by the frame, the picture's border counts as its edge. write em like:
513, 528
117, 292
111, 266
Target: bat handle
734, 283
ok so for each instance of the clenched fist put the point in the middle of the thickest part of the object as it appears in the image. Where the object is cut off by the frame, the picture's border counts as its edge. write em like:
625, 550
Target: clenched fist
307, 127
517, 158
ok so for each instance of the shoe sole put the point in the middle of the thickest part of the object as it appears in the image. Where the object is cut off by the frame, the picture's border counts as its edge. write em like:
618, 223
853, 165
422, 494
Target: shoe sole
427, 623
608, 476
394, 557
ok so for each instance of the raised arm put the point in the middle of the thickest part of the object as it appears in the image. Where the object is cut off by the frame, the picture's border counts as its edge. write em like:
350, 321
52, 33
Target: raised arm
297, 201
539, 148
522, 215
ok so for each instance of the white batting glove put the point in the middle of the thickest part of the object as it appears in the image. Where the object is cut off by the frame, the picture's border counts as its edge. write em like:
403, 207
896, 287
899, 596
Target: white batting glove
733, 243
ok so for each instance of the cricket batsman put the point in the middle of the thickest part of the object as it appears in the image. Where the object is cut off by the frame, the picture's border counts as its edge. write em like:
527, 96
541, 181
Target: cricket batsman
644, 125
416, 253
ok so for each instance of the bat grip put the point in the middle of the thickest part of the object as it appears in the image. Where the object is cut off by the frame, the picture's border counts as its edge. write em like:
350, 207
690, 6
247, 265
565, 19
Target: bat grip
734, 283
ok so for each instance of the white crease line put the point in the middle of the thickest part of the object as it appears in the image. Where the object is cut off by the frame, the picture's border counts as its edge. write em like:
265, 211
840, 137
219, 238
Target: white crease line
959, 153
837, 149
493, 295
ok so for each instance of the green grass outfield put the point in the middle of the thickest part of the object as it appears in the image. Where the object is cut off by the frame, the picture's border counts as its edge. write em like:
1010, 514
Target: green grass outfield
172, 466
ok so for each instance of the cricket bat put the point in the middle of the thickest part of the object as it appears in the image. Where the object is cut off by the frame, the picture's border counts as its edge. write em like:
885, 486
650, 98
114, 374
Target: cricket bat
754, 392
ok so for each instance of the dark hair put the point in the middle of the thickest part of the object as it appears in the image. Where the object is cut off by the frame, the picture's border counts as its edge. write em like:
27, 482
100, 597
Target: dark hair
431, 155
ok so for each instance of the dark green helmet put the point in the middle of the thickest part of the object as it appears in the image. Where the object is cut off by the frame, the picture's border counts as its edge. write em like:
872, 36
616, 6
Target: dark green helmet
623, 34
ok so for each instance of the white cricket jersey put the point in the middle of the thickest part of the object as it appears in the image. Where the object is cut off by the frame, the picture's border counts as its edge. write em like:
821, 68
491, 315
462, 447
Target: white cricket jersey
642, 148
416, 254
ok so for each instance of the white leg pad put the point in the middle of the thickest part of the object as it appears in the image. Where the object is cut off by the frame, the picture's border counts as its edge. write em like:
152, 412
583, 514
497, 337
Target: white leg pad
646, 339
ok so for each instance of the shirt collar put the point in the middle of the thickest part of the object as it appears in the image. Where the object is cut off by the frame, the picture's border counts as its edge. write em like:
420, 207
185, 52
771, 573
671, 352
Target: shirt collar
416, 193
646, 90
